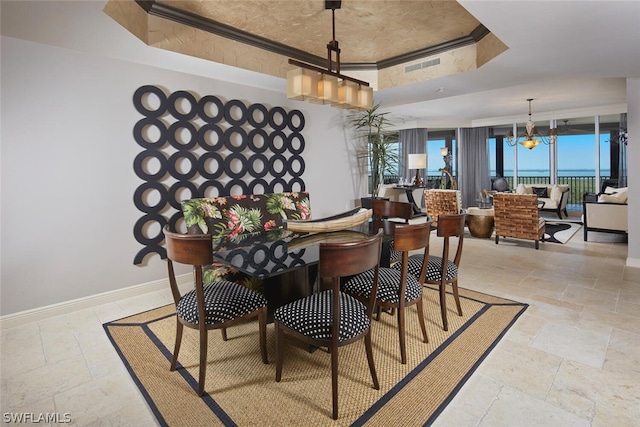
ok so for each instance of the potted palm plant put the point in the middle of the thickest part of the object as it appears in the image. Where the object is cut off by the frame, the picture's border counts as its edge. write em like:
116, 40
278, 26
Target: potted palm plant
378, 145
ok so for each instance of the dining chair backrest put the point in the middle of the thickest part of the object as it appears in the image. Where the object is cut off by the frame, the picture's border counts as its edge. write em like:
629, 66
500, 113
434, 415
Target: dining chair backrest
385, 209
192, 249
339, 260
410, 237
451, 226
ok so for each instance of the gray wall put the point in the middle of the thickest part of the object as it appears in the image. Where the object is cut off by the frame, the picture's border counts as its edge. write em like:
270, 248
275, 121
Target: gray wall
67, 179
66, 176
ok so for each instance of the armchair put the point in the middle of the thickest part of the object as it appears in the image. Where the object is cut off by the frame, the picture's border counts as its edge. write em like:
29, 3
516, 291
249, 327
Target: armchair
516, 215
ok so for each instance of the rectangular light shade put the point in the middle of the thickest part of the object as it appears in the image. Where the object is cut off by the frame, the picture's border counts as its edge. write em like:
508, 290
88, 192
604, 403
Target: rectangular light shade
417, 161
365, 97
327, 90
302, 84
348, 94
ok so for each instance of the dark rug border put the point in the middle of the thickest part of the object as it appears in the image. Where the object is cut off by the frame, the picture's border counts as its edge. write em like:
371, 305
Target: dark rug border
221, 414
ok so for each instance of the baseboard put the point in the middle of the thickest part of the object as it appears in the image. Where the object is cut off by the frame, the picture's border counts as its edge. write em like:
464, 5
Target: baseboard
93, 301
633, 262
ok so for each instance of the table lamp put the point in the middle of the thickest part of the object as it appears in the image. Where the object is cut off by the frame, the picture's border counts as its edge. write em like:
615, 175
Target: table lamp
417, 162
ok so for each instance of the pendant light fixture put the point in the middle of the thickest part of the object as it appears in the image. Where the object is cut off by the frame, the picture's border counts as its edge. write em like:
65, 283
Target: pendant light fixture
314, 84
531, 138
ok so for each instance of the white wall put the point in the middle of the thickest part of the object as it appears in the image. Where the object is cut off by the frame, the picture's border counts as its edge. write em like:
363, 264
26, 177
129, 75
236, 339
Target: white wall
633, 155
67, 177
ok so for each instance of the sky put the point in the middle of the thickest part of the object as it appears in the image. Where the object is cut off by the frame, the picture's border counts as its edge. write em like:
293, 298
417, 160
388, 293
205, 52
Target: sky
574, 152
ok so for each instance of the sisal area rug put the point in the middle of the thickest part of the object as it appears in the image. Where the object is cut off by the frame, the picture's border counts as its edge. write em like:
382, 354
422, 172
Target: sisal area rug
560, 231
241, 390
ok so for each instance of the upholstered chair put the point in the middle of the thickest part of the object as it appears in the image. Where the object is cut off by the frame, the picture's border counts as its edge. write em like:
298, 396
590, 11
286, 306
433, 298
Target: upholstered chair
443, 270
332, 318
397, 288
217, 305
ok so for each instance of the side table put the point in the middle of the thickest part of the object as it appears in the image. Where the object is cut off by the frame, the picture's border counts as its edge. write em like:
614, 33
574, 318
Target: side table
480, 222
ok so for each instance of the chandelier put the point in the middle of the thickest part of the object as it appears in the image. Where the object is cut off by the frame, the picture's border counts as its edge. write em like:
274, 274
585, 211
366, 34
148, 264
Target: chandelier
317, 85
531, 138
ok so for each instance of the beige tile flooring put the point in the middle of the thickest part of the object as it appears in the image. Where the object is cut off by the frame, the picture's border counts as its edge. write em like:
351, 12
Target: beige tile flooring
572, 359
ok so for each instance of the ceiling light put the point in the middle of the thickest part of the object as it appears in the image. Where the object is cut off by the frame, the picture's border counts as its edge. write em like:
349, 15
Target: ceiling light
531, 138
314, 84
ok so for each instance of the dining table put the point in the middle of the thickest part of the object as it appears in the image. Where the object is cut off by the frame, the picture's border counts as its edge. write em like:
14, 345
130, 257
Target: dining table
287, 262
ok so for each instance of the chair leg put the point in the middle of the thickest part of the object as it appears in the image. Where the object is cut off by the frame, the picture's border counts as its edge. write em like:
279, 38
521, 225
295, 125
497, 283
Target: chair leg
279, 344
497, 239
420, 307
372, 367
262, 322
203, 360
401, 335
176, 347
334, 378
224, 334
443, 306
456, 296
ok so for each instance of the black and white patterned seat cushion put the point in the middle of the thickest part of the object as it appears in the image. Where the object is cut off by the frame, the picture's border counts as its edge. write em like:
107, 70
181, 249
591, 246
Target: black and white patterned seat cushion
434, 266
388, 285
394, 253
311, 316
223, 301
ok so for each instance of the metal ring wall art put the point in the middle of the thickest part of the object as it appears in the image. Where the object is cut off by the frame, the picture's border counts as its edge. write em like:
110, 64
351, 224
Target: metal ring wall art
208, 147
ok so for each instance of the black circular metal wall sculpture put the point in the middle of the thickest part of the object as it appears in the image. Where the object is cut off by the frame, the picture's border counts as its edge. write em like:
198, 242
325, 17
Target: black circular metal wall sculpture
206, 147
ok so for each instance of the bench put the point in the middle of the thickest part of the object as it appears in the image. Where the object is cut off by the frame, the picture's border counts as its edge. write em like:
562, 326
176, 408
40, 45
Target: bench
240, 217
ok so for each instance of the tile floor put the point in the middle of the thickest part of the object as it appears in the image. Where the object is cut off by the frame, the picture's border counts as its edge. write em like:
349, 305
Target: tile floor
572, 359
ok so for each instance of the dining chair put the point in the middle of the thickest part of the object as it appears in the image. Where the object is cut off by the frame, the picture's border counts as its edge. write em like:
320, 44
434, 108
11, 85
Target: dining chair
217, 305
331, 318
443, 270
397, 288
386, 214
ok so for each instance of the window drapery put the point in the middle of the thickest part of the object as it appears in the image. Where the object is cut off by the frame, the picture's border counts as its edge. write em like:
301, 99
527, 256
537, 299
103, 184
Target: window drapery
473, 169
412, 141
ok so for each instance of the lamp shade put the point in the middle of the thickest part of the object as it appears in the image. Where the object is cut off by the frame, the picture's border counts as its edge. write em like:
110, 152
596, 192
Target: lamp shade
302, 84
417, 161
348, 94
327, 90
365, 97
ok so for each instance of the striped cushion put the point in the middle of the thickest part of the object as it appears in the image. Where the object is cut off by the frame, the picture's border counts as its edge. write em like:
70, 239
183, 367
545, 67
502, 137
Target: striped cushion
311, 316
434, 266
388, 285
223, 301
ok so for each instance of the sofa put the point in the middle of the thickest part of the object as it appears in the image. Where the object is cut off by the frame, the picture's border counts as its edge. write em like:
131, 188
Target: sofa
606, 212
554, 196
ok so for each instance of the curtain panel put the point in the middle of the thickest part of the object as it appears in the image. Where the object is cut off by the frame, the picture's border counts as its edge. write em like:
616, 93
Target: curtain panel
473, 168
412, 141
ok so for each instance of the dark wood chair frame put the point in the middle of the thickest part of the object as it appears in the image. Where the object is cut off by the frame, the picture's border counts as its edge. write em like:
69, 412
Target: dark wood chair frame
407, 238
338, 260
196, 250
449, 226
